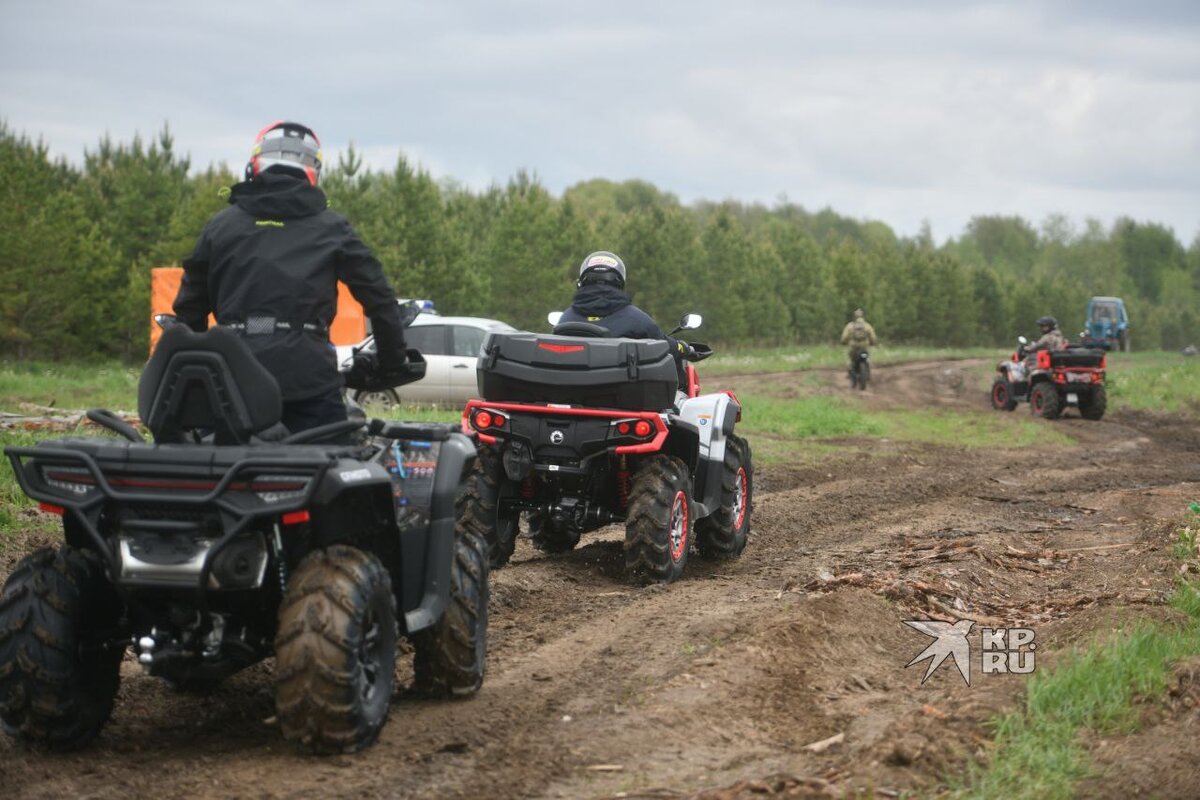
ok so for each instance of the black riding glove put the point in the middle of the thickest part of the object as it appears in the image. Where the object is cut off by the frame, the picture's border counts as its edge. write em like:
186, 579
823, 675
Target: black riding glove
394, 359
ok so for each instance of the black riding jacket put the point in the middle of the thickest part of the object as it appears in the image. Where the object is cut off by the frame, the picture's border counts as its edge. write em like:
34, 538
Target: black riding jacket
610, 308
278, 251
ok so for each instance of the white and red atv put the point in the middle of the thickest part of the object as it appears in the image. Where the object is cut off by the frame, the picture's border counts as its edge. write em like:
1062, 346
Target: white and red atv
577, 431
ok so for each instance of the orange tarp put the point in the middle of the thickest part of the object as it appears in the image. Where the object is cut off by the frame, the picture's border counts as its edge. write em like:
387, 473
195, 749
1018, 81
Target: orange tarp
349, 326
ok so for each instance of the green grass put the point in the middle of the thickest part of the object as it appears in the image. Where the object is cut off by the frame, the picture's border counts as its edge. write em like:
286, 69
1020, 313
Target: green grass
818, 417
740, 361
14, 505
417, 413
969, 429
804, 417
68, 386
1038, 752
1154, 381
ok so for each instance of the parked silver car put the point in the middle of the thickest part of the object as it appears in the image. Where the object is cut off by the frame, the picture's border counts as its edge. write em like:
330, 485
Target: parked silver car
451, 348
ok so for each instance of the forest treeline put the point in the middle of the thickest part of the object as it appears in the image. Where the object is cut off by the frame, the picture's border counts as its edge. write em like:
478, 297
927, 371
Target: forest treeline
77, 243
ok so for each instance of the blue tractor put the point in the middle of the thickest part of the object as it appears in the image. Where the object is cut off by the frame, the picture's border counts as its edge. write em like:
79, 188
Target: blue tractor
1107, 324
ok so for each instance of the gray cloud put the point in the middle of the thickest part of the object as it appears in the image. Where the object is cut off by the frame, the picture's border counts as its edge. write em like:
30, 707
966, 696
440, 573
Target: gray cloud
902, 112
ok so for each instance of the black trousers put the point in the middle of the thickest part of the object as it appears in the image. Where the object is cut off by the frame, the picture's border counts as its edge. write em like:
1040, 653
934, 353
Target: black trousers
312, 412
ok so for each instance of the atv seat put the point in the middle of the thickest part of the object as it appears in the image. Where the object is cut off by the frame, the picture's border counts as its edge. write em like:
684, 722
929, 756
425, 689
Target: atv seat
207, 381
628, 374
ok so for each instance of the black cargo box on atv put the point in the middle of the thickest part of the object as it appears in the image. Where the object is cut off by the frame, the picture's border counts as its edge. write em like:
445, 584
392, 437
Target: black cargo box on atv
633, 374
1076, 357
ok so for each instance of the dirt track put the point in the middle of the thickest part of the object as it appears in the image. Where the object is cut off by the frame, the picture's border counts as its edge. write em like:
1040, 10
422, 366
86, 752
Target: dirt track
716, 684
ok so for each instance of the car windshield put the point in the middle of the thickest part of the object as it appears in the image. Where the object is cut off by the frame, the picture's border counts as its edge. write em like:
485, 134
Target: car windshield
1104, 311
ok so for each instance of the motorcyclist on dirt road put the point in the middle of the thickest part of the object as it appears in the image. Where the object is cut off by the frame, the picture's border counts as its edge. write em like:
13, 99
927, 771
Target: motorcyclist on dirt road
267, 267
859, 334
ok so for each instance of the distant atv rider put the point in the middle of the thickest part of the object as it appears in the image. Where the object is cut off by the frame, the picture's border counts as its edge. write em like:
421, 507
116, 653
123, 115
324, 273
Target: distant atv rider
1051, 338
859, 334
268, 266
601, 300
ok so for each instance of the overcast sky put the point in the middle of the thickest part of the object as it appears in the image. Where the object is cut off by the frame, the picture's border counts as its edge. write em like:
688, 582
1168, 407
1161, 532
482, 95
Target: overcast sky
898, 111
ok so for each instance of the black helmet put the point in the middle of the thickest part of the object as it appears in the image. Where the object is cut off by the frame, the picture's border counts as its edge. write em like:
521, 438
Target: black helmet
602, 267
1047, 322
287, 145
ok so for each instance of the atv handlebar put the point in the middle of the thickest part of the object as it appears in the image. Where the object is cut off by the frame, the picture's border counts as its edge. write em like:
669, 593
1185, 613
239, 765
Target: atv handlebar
698, 351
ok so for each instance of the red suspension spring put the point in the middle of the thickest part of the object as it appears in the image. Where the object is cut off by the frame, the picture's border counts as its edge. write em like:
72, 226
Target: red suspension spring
528, 487
623, 483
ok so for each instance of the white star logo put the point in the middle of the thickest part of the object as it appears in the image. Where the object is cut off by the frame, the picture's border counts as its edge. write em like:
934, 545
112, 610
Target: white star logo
950, 640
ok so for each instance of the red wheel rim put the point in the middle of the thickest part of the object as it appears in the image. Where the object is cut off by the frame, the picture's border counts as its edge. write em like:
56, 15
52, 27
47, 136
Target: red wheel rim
679, 525
741, 491
999, 394
1037, 402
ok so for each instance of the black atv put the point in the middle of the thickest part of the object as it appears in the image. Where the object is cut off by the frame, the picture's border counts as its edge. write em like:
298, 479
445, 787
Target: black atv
228, 540
578, 430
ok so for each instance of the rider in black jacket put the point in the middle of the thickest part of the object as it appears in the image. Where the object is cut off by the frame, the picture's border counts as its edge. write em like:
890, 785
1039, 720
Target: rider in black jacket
268, 267
601, 300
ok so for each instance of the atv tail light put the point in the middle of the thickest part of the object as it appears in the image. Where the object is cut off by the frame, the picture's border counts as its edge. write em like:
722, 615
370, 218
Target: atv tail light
561, 348
277, 488
482, 420
633, 428
76, 480
50, 508
296, 517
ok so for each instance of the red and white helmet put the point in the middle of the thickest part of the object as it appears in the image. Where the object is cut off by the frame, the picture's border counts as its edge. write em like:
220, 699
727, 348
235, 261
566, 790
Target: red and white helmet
286, 144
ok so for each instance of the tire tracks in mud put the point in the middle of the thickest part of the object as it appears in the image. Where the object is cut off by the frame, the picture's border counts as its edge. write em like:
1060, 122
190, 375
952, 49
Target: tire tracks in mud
596, 687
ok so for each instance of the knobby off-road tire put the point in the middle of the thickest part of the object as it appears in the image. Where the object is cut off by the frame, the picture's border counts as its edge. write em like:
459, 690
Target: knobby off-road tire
335, 652
57, 685
723, 533
1093, 405
1044, 401
658, 526
478, 505
549, 537
450, 656
1002, 397
864, 375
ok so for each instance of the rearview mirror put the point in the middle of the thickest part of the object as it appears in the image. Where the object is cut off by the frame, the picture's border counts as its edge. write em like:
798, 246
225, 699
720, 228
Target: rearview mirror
165, 321
689, 322
409, 311
553, 317
1022, 340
